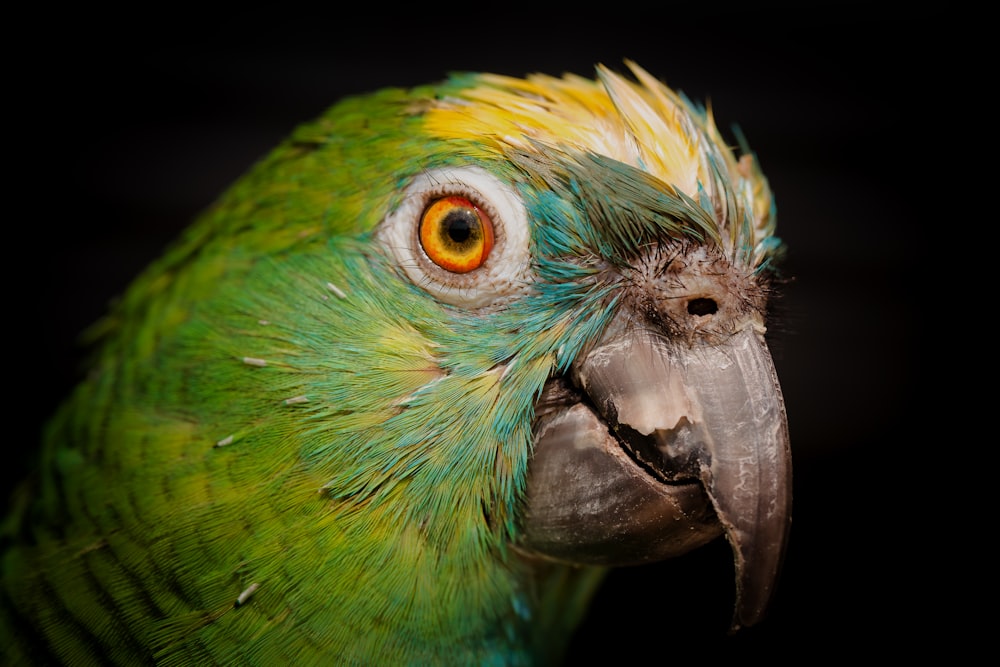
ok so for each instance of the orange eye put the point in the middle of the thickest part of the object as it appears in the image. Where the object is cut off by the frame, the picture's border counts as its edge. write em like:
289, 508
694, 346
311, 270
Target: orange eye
456, 234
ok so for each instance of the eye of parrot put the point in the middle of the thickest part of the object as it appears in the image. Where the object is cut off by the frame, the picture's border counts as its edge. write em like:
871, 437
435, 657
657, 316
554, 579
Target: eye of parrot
456, 234
461, 234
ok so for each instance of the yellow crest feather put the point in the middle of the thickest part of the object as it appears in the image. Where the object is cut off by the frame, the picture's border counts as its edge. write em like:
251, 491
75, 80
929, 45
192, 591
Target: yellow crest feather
637, 124
642, 123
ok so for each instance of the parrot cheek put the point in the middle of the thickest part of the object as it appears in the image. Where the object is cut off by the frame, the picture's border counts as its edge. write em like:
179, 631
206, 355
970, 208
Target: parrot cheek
653, 448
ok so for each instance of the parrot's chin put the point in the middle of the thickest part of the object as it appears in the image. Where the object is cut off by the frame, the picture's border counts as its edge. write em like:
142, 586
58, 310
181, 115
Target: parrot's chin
592, 501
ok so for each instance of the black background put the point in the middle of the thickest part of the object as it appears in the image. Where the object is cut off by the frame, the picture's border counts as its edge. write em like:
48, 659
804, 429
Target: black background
125, 128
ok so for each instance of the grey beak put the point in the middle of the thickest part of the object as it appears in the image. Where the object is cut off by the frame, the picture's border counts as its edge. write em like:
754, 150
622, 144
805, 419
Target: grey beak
672, 445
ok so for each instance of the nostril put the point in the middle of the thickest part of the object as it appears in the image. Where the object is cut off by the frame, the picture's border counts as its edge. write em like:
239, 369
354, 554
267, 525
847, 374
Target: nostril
702, 306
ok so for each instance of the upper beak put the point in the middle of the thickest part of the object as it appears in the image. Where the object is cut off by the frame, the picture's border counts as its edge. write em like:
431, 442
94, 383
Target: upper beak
658, 447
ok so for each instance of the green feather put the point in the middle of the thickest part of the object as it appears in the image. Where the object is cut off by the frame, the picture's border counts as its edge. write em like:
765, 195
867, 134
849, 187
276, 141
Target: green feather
286, 451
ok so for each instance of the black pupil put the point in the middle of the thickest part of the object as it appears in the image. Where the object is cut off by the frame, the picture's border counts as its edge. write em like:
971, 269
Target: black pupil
459, 226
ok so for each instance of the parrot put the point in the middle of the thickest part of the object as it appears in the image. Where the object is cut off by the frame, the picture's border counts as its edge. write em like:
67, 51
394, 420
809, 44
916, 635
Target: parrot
414, 384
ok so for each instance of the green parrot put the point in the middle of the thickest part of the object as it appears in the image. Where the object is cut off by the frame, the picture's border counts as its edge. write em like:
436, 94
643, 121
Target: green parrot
411, 387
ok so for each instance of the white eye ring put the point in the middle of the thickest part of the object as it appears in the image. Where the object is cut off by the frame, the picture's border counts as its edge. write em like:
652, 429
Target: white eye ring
506, 271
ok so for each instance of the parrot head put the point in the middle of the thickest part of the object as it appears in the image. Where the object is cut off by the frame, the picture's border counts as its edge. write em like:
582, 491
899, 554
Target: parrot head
618, 243
418, 379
